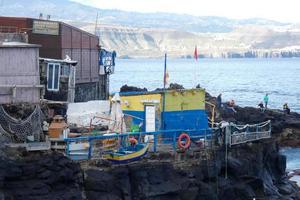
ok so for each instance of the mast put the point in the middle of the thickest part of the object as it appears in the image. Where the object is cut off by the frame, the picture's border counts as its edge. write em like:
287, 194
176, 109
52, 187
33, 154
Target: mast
96, 25
164, 94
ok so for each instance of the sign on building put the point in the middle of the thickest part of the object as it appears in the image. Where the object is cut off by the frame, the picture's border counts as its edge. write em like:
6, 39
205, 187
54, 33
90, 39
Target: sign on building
45, 27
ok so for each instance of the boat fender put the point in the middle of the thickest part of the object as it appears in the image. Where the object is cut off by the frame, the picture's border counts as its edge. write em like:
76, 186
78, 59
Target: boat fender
187, 143
133, 141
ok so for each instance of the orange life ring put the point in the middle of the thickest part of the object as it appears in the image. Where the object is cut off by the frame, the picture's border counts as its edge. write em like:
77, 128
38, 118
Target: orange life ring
187, 142
133, 141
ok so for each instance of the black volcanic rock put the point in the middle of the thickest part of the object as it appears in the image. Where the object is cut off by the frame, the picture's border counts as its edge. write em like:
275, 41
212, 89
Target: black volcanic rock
253, 170
127, 88
40, 177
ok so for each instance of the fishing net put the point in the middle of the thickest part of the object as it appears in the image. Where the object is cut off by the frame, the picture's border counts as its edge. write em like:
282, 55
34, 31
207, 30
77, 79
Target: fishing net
5, 137
19, 130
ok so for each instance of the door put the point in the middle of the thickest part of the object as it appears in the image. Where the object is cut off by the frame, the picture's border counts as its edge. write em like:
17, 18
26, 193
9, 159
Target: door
150, 118
150, 121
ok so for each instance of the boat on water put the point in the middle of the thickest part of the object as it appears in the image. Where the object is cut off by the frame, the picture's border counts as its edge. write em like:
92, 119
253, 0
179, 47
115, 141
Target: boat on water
127, 154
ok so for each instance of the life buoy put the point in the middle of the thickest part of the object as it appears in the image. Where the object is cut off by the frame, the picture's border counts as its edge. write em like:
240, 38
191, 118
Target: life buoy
133, 141
187, 143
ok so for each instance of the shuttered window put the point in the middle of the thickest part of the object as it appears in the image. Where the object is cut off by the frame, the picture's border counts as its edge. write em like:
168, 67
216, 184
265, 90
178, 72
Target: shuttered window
53, 76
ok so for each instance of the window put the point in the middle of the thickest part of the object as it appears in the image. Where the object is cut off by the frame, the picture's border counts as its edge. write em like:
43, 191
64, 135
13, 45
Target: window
65, 70
53, 76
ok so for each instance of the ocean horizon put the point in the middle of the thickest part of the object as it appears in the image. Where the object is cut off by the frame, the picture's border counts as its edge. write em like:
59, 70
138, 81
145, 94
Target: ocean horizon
246, 80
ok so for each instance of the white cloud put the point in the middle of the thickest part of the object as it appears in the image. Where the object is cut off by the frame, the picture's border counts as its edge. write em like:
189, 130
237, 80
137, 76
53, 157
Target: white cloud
286, 11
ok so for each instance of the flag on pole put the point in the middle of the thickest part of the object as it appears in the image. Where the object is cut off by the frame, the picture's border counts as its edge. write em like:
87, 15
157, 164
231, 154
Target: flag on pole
167, 78
196, 53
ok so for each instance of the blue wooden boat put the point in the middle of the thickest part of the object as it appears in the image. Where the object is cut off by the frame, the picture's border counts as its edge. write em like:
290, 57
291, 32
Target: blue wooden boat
127, 154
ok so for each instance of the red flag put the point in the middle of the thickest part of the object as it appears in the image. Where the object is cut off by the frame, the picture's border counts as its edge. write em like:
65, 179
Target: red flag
196, 53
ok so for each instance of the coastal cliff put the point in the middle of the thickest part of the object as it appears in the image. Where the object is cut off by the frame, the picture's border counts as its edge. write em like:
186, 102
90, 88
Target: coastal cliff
251, 170
255, 170
149, 35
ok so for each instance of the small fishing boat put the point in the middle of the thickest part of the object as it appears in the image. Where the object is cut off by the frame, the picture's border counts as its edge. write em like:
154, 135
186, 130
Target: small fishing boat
127, 154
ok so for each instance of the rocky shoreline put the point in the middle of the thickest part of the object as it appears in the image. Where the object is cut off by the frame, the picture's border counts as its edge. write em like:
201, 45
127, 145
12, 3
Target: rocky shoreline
255, 170
252, 170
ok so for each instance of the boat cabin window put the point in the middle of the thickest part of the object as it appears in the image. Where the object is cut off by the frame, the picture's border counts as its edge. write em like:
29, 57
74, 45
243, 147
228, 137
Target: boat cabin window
53, 76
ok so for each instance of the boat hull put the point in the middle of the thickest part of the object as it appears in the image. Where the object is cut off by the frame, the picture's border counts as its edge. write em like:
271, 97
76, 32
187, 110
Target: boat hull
126, 158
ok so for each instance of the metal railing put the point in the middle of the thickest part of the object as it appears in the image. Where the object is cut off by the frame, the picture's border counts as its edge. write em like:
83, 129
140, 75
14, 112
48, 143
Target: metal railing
212, 119
249, 133
164, 137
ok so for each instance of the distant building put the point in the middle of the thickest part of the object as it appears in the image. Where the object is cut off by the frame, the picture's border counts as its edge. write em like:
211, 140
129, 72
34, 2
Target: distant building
19, 73
59, 40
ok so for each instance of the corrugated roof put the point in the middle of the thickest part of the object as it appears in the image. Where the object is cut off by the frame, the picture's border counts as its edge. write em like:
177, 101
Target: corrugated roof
60, 22
67, 60
18, 44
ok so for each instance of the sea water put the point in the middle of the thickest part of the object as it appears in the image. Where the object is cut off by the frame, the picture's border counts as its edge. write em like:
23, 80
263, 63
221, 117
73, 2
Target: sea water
293, 161
244, 80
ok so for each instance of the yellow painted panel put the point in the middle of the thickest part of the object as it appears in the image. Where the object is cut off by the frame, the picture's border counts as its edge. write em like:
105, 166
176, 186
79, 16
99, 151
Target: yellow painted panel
193, 99
137, 102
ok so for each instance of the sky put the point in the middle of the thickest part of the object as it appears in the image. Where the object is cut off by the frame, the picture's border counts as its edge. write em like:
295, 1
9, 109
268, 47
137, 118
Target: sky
284, 11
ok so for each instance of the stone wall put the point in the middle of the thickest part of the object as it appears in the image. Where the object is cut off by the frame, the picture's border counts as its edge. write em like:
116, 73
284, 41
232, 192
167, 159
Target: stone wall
86, 92
93, 90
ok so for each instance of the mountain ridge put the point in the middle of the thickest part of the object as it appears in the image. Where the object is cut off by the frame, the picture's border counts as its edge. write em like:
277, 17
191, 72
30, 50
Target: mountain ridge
134, 34
80, 12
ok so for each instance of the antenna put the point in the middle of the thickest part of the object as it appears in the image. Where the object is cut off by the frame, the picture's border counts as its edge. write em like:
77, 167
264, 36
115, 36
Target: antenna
97, 31
96, 25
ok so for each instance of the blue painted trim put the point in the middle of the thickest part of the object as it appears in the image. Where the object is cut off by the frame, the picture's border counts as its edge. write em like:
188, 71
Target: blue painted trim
194, 134
155, 143
144, 124
153, 92
103, 137
90, 149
